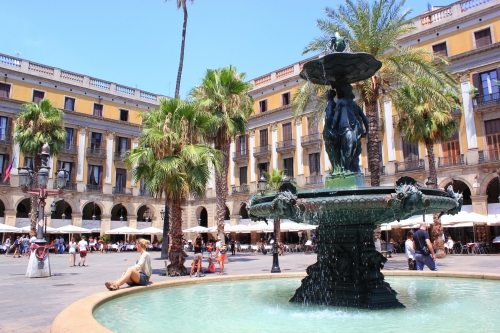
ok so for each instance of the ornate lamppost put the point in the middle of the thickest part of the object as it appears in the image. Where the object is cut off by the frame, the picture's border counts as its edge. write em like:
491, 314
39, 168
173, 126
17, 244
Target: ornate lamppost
39, 265
262, 186
164, 217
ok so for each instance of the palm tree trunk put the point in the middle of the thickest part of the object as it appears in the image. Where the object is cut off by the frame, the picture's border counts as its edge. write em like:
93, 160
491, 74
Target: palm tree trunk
166, 232
34, 199
372, 144
221, 190
437, 229
277, 224
181, 61
176, 255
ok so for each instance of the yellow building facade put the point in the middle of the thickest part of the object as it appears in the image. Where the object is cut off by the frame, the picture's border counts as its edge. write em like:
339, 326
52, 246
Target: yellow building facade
467, 32
102, 121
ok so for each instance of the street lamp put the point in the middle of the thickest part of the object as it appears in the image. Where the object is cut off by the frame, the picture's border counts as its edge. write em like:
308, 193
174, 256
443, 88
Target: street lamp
262, 184
162, 214
147, 215
429, 182
39, 260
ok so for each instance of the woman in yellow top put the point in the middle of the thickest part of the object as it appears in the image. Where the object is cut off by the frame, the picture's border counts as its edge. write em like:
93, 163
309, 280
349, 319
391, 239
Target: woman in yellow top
137, 275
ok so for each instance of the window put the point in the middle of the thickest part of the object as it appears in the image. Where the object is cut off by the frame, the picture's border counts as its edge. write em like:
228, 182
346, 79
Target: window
121, 180
263, 167
451, 150
482, 38
312, 125
97, 110
4, 90
122, 145
4, 160
287, 131
263, 136
288, 166
4, 128
69, 103
94, 175
124, 115
440, 49
492, 129
410, 151
263, 106
314, 164
38, 96
70, 132
243, 175
68, 166
241, 146
489, 83
95, 140
285, 99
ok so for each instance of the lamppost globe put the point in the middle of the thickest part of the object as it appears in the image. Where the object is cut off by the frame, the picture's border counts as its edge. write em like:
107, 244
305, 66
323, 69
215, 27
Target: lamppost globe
61, 178
43, 176
162, 214
24, 176
53, 207
262, 184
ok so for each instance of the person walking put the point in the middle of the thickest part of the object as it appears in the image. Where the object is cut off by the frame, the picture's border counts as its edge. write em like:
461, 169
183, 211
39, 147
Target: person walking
137, 275
82, 247
24, 245
424, 252
61, 245
7, 245
198, 257
220, 253
17, 244
72, 252
56, 245
233, 247
410, 251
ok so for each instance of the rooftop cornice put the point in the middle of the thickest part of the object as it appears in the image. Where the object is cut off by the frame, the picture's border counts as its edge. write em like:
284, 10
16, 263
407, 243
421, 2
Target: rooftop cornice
474, 52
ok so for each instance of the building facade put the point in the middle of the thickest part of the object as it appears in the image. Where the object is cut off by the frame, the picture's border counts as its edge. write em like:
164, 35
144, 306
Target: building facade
102, 121
467, 32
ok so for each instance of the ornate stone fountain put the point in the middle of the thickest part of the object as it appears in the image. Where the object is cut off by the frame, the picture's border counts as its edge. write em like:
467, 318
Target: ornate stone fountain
347, 272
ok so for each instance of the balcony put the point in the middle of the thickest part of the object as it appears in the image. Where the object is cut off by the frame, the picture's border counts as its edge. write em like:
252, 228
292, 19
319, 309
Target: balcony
118, 156
485, 103
450, 161
241, 155
240, 189
456, 113
118, 190
491, 155
144, 193
311, 140
285, 146
317, 179
262, 151
96, 152
381, 170
418, 165
5, 137
69, 149
93, 188
70, 187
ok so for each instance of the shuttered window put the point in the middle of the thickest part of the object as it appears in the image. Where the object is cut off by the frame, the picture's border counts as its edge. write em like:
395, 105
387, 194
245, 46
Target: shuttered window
492, 129
314, 164
69, 103
263, 134
38, 96
243, 175
482, 38
4, 90
97, 110
287, 131
410, 151
288, 166
440, 49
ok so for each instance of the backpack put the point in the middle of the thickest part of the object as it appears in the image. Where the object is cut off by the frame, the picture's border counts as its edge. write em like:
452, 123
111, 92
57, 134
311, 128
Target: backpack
223, 248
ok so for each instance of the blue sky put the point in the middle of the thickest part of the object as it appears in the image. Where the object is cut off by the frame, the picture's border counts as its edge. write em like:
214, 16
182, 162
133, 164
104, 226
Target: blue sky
137, 42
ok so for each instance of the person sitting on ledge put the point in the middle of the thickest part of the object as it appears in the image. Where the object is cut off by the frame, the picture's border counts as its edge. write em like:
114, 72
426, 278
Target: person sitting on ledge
137, 275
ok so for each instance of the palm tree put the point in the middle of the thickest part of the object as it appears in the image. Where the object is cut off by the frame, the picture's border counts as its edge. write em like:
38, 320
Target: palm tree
274, 181
425, 116
35, 125
374, 28
181, 3
174, 161
224, 94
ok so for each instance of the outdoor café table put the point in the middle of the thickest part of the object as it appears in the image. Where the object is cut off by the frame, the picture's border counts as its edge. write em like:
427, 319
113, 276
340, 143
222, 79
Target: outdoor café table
3, 248
130, 247
244, 247
150, 246
113, 247
268, 247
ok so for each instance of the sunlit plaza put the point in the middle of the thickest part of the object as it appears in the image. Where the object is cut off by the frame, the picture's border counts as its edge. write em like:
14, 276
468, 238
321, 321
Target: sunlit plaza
308, 186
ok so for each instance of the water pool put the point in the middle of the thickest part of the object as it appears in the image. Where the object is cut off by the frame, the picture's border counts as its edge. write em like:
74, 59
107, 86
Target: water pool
432, 304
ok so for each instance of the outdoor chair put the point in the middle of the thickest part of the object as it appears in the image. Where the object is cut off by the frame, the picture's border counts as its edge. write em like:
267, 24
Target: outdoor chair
464, 248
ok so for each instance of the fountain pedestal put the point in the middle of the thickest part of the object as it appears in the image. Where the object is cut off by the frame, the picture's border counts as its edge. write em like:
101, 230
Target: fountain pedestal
347, 272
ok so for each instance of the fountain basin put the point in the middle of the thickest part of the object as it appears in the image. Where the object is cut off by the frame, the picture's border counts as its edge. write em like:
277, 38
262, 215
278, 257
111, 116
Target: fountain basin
445, 295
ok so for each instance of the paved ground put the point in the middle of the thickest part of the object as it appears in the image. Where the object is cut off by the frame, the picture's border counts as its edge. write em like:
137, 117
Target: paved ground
30, 305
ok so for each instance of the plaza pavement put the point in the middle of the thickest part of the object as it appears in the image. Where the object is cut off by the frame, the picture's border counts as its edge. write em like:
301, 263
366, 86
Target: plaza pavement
30, 305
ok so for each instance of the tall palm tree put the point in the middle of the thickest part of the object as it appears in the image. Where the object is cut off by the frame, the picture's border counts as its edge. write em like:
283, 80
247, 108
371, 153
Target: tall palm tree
183, 4
224, 94
425, 116
35, 125
174, 161
374, 28
274, 181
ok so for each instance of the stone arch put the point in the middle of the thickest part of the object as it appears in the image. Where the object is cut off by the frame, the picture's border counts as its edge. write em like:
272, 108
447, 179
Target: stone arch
484, 184
459, 185
142, 209
6, 202
243, 210
119, 211
62, 206
227, 214
87, 212
493, 190
74, 206
23, 208
2, 209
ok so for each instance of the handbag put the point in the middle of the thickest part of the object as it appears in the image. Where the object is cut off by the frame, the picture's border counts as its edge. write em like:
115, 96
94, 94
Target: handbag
424, 250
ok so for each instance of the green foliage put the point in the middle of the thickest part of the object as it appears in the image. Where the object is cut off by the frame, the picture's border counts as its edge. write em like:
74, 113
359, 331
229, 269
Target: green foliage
105, 239
172, 157
473, 91
37, 124
275, 180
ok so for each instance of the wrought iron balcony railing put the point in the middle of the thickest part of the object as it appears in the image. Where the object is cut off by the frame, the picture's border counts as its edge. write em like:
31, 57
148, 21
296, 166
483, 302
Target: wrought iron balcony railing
286, 145
69, 186
491, 155
262, 150
93, 188
122, 190
70, 149
311, 139
448, 161
485, 101
5, 136
241, 189
96, 152
410, 165
144, 193
118, 156
242, 154
317, 179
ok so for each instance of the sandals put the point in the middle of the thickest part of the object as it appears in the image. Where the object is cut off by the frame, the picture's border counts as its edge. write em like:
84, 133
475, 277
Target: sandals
111, 286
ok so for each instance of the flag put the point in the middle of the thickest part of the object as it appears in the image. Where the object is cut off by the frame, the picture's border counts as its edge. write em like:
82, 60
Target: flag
429, 7
9, 169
